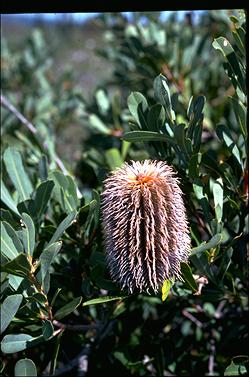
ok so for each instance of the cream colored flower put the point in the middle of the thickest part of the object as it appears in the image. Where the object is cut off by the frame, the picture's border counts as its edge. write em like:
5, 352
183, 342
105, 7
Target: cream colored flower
145, 226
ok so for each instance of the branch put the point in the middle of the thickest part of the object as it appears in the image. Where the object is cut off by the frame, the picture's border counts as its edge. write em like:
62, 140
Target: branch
5, 103
82, 358
192, 318
211, 358
74, 327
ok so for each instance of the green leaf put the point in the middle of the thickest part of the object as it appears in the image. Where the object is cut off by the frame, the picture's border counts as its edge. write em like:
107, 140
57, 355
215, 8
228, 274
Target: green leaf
213, 242
8, 310
182, 141
15, 342
27, 206
203, 266
144, 136
42, 196
113, 158
224, 135
19, 266
68, 308
64, 191
101, 300
43, 168
7, 199
198, 189
47, 329
218, 198
7, 216
25, 368
165, 289
15, 281
17, 174
13, 235
162, 94
156, 117
102, 101
195, 115
194, 165
28, 232
188, 277
227, 50
98, 125
138, 107
240, 112
62, 227
8, 247
46, 258
225, 263
235, 370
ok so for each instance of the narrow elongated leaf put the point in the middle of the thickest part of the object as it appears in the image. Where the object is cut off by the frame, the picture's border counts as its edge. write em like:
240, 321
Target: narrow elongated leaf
156, 117
13, 235
7, 216
102, 300
19, 266
235, 370
68, 308
47, 258
162, 94
28, 232
113, 158
15, 281
42, 196
201, 262
8, 310
215, 240
188, 277
165, 289
8, 247
138, 107
240, 112
62, 227
227, 50
25, 368
47, 329
15, 342
28, 206
194, 165
7, 199
218, 198
224, 134
98, 125
64, 191
225, 263
17, 174
142, 136
198, 189
195, 114
43, 168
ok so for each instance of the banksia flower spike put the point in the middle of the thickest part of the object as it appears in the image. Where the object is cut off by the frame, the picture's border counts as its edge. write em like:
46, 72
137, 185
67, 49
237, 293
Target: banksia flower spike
145, 226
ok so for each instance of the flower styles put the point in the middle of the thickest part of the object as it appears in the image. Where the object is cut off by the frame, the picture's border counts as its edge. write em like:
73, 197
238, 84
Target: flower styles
145, 225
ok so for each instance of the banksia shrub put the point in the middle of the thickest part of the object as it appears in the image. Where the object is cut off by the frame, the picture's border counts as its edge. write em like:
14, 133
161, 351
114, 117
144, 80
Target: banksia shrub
145, 226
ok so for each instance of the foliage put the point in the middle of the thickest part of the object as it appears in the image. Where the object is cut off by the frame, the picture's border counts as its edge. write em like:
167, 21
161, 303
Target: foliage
59, 306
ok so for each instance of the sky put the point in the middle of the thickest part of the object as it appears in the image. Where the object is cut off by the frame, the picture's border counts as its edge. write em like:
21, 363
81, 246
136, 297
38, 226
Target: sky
81, 17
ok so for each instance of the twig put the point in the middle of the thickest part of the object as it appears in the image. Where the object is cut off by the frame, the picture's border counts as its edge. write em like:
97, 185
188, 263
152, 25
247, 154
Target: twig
192, 318
211, 358
74, 327
82, 358
218, 313
5, 103
218, 100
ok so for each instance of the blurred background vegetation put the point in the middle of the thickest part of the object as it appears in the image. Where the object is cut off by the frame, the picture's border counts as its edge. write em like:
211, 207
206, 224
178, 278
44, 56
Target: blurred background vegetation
98, 93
